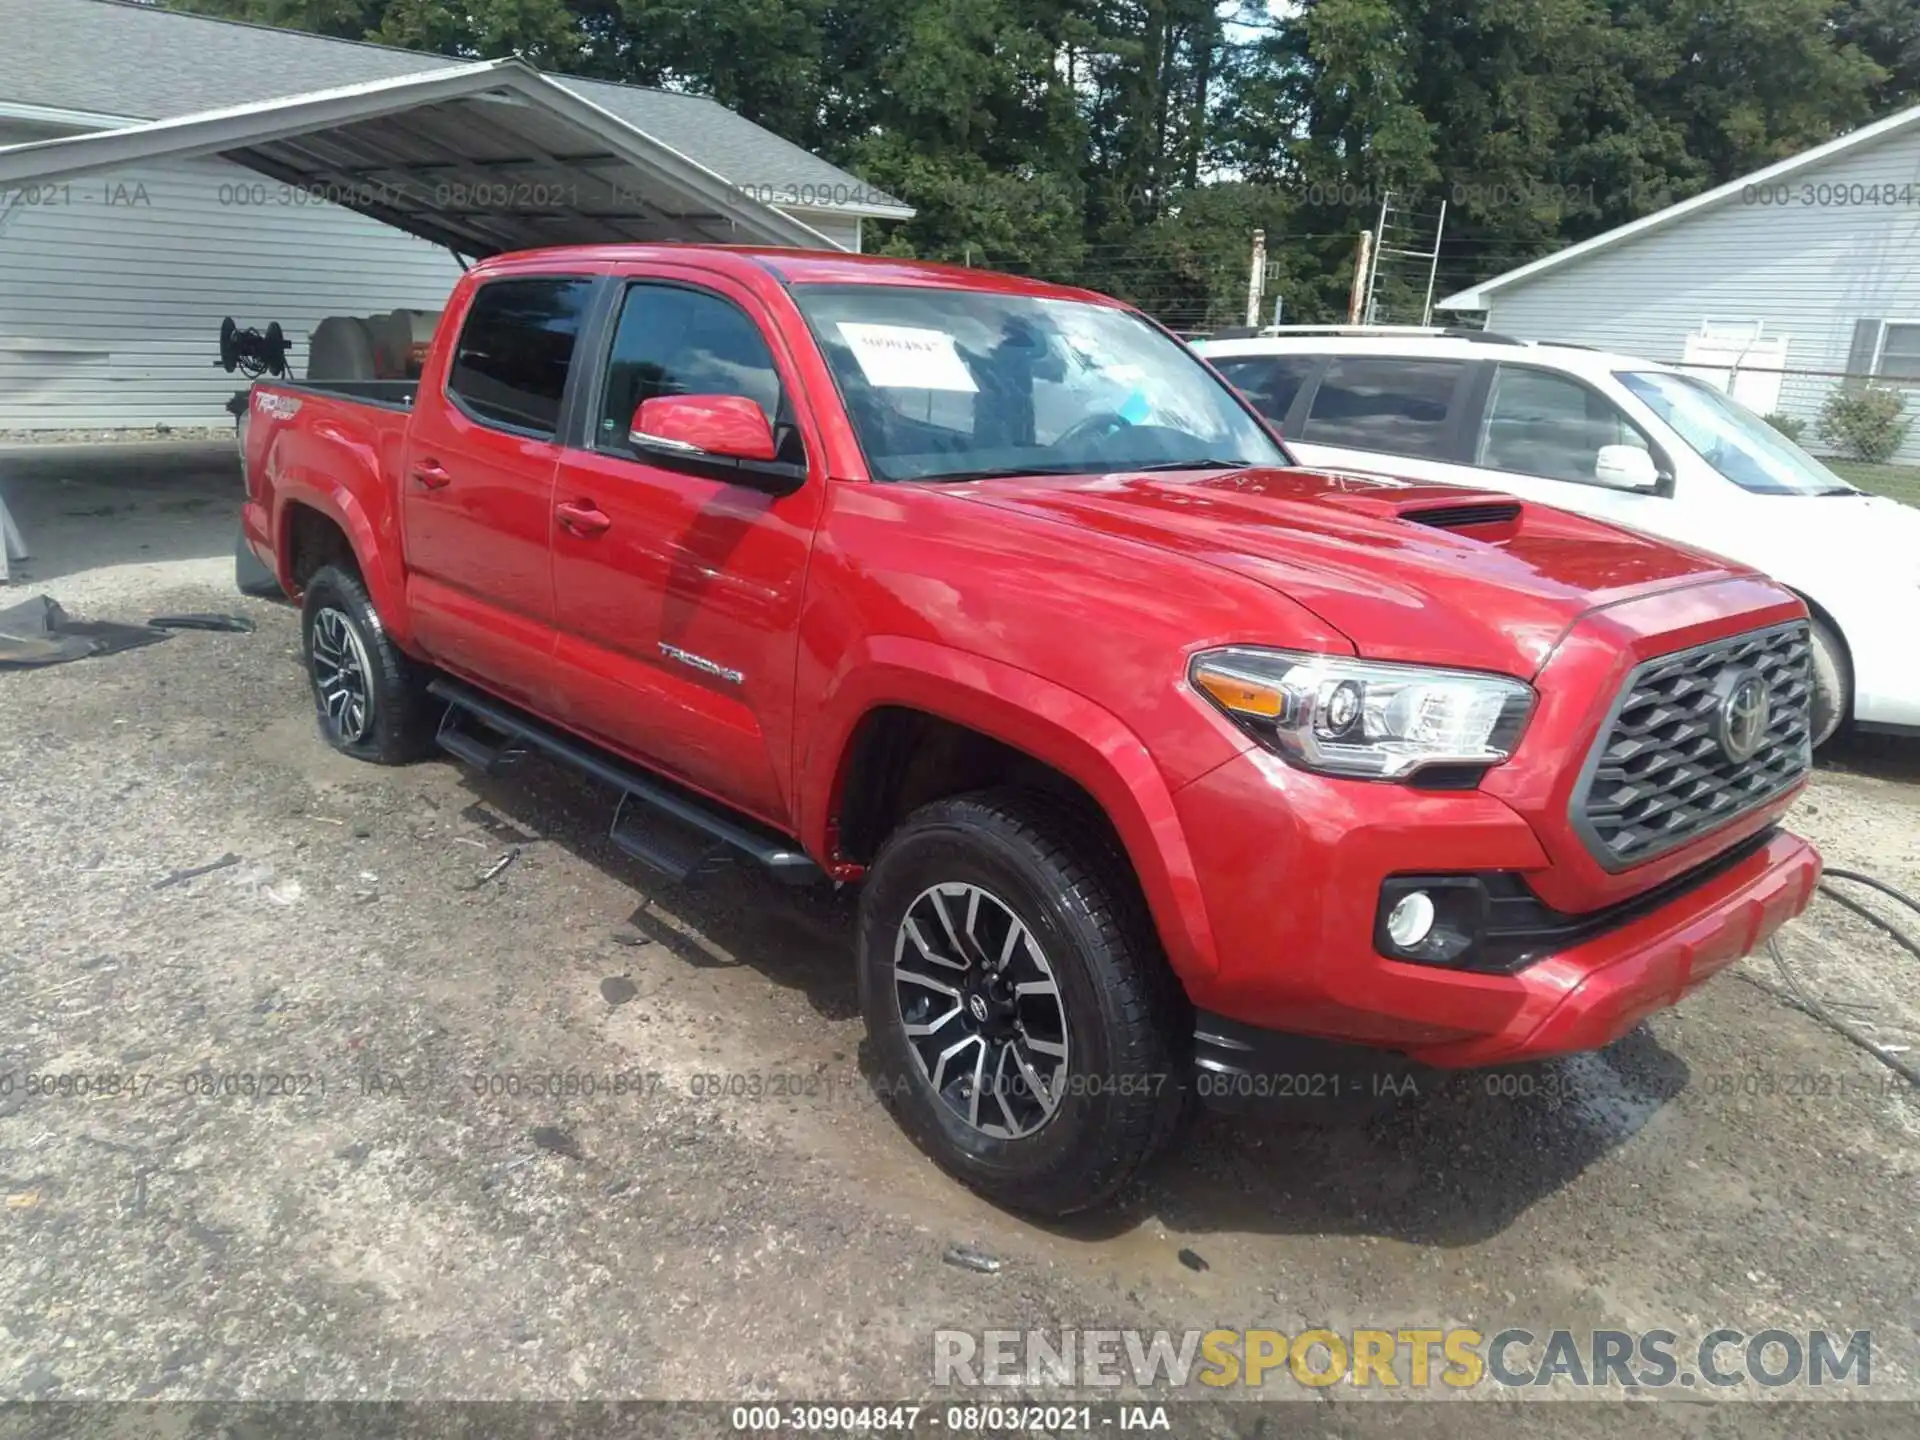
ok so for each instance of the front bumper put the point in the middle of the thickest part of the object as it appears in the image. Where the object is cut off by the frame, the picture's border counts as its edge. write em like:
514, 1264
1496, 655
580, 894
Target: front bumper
1294, 920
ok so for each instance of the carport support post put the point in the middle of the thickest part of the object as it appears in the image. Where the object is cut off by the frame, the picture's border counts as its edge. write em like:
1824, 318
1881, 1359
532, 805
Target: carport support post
12, 547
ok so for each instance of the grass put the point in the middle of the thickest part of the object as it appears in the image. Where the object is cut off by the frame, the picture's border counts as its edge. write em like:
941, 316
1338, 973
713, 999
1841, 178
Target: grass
1901, 482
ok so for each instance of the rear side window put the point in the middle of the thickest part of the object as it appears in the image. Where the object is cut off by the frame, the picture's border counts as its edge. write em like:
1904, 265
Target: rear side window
510, 369
1270, 382
1400, 406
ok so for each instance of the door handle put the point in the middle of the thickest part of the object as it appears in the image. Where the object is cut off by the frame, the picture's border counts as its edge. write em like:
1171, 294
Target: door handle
583, 517
430, 475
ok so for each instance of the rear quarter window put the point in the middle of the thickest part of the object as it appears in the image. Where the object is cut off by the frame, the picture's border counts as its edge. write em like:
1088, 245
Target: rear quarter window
516, 348
1270, 382
1399, 406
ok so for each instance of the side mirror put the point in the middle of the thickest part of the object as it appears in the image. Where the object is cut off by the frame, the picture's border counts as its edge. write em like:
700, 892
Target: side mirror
1626, 467
720, 427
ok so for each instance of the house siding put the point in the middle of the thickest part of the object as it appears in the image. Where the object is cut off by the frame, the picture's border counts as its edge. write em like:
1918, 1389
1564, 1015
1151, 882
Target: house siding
1806, 271
111, 296
113, 288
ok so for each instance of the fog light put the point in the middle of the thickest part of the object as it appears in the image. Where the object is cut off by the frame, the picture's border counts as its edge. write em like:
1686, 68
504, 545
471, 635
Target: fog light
1411, 920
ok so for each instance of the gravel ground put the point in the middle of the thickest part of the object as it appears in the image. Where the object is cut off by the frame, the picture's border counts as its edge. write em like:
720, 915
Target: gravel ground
161, 434
412, 1219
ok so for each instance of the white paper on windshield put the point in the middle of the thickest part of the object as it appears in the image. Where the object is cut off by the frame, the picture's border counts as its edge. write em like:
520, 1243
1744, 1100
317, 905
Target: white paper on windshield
907, 357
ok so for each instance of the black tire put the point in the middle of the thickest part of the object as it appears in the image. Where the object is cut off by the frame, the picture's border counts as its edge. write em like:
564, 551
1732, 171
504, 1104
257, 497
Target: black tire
250, 577
1832, 684
1127, 1025
396, 724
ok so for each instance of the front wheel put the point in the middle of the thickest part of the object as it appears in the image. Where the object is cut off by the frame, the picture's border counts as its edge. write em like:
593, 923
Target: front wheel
1027, 1031
370, 699
1832, 684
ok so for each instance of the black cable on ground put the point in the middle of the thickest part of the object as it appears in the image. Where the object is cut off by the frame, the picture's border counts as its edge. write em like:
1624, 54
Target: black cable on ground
1806, 1002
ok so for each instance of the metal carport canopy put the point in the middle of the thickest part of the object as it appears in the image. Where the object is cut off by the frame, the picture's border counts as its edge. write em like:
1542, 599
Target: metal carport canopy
480, 158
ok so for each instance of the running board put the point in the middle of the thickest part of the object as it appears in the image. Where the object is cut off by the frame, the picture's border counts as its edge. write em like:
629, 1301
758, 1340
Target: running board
489, 754
681, 834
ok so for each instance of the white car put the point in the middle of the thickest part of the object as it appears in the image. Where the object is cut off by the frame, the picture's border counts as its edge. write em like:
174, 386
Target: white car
1618, 439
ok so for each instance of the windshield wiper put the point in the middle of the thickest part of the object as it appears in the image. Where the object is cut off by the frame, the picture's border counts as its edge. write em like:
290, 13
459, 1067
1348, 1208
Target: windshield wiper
1202, 462
1009, 472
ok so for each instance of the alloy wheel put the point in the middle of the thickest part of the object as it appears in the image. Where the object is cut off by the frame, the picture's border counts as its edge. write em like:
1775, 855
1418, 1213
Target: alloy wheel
981, 1010
341, 676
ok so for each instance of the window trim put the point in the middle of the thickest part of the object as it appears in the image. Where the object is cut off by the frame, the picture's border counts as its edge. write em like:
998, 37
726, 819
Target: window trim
586, 434
1450, 429
568, 392
1663, 461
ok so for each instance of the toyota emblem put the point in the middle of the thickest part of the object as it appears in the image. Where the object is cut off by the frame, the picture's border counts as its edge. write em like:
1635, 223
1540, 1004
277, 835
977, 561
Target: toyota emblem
1740, 724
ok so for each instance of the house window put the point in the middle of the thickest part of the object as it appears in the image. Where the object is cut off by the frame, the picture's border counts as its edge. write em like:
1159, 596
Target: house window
1900, 353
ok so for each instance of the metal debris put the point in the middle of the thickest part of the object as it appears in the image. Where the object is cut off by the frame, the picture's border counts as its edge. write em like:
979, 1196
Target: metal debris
180, 877
494, 870
967, 1257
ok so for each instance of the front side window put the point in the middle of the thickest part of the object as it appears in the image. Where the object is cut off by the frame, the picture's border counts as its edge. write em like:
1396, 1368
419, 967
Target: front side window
1271, 382
1399, 406
510, 368
675, 341
1731, 438
966, 384
1539, 423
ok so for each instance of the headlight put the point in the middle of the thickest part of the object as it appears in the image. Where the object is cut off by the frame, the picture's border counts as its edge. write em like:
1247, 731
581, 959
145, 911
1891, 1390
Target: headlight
1363, 718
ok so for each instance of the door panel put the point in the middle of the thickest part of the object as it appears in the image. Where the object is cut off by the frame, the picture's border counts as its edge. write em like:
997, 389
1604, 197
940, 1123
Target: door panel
677, 617
477, 488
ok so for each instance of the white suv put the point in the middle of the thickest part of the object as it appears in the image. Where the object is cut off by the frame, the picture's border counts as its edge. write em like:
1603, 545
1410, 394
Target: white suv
1619, 439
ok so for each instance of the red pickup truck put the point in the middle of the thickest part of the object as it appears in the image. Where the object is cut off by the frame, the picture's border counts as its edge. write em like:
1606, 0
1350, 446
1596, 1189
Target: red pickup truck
1150, 750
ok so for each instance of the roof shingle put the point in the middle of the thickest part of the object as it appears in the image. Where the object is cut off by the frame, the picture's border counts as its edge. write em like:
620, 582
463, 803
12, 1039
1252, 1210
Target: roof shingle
110, 57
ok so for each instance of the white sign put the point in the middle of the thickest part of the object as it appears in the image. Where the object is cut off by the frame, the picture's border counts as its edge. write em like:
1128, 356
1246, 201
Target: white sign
907, 357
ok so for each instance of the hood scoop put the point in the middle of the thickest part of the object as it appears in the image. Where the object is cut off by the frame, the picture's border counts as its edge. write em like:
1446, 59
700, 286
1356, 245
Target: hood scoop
1481, 519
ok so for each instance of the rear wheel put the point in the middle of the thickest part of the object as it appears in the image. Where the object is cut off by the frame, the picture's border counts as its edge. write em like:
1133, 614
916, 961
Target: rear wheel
371, 700
1832, 684
1028, 1033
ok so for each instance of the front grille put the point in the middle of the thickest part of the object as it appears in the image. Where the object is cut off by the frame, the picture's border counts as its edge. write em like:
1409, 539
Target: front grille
1661, 773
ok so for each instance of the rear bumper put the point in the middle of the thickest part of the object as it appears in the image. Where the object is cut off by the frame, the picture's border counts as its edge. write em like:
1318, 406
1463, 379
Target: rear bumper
1294, 919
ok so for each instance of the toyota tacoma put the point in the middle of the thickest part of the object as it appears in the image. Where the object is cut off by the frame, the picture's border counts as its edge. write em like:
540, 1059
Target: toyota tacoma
1151, 752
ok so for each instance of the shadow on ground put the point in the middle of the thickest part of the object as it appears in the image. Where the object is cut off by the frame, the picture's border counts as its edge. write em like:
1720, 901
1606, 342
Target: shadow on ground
83, 508
1883, 757
1437, 1159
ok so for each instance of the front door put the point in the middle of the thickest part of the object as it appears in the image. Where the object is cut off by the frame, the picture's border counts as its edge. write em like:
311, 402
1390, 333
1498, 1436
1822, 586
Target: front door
677, 595
477, 487
1540, 437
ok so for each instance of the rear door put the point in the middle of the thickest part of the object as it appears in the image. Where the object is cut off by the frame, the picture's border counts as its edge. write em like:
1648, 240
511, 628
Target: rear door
477, 484
677, 609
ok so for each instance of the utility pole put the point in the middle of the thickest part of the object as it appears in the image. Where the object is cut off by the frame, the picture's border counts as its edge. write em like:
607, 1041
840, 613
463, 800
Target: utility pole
1356, 297
1256, 278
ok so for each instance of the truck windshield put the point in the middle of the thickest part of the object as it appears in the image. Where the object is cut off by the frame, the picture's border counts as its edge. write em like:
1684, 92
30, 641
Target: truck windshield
964, 385
1731, 438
